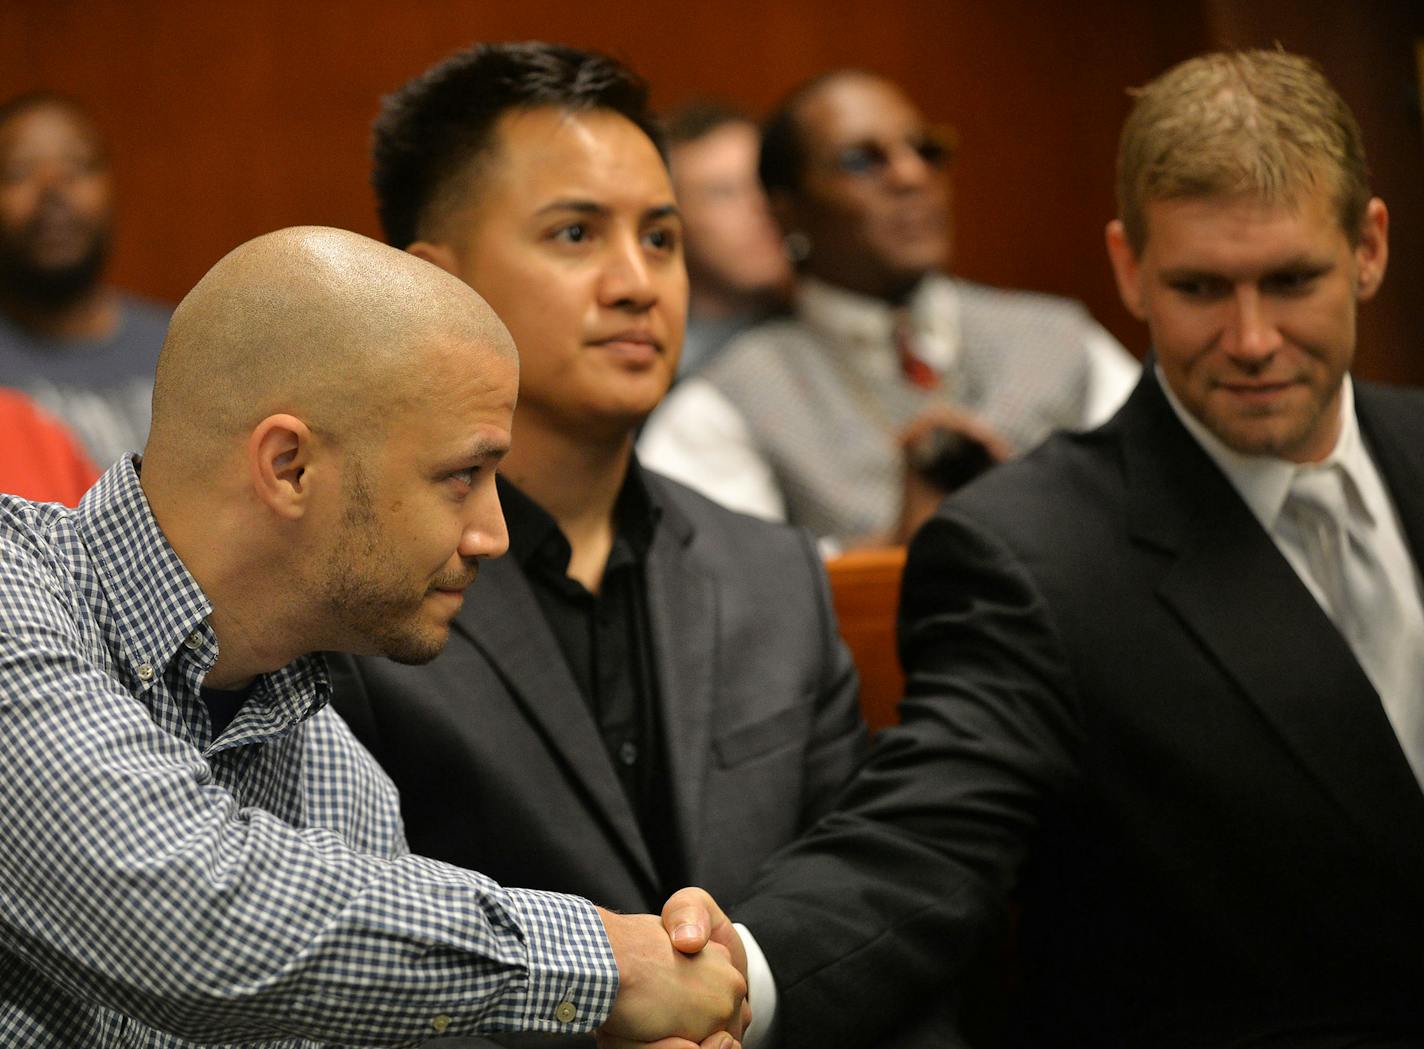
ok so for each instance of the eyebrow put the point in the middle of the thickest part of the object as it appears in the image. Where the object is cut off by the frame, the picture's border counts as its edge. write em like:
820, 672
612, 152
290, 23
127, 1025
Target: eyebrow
490, 447
483, 448
1300, 263
590, 207
582, 207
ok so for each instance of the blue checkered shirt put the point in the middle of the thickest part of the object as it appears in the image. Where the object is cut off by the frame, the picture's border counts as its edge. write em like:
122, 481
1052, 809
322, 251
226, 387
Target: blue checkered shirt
159, 887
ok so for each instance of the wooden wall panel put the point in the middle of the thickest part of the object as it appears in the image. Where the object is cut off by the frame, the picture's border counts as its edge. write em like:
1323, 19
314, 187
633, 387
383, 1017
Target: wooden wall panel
231, 118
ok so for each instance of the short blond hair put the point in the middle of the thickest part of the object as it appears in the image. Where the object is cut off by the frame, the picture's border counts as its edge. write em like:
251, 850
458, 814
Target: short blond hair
1265, 124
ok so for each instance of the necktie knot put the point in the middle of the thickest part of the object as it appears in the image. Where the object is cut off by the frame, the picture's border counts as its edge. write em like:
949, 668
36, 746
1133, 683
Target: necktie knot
1316, 503
1321, 491
912, 362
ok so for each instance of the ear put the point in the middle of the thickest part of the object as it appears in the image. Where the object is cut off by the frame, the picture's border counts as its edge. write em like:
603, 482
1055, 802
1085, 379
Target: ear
1126, 269
1372, 250
784, 210
279, 454
441, 255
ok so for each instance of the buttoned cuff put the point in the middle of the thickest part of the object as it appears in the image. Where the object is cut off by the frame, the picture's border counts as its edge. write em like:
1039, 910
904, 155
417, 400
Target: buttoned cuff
573, 977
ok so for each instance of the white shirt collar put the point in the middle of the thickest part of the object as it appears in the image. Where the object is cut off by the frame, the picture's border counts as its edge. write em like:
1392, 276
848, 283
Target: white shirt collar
1263, 481
858, 322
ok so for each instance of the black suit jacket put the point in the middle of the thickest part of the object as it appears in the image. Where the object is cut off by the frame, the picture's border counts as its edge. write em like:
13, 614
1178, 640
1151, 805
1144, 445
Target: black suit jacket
499, 761
1124, 704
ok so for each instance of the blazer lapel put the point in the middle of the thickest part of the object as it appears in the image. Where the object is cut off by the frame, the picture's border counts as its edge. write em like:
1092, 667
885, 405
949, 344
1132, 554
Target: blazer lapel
1396, 442
502, 618
1239, 596
682, 605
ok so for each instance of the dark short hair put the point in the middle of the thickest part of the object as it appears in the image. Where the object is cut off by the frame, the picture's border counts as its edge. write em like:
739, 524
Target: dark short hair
783, 145
429, 131
700, 118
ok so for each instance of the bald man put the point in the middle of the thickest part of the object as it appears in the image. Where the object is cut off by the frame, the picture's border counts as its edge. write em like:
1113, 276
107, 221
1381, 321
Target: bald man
193, 849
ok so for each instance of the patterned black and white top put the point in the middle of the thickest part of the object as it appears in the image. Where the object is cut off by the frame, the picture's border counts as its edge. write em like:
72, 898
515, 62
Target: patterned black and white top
161, 888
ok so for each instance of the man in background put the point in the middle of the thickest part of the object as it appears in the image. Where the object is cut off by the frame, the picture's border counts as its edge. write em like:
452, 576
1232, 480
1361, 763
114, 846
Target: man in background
650, 690
808, 418
737, 271
83, 350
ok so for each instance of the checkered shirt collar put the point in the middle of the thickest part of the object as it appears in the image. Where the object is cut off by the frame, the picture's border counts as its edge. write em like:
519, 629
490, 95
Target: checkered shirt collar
155, 601
156, 604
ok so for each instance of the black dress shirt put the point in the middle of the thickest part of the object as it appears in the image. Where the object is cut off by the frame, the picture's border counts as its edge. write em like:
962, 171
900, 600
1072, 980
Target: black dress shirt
607, 641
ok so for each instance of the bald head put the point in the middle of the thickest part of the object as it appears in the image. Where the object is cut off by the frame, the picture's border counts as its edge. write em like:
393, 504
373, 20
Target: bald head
323, 324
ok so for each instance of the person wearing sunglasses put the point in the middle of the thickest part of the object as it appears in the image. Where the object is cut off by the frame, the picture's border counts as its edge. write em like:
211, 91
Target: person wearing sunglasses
809, 418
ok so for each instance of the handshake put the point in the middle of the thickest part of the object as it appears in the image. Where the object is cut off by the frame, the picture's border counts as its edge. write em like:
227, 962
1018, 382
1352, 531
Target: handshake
682, 981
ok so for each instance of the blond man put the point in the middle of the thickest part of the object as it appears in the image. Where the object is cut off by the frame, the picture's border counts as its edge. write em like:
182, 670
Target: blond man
1160, 689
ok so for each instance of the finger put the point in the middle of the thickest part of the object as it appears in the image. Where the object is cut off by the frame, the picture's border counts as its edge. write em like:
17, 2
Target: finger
737, 1027
688, 917
724, 934
607, 1041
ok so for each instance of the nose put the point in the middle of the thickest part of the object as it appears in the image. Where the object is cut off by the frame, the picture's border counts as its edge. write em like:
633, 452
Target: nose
906, 169
485, 533
57, 175
1254, 335
627, 278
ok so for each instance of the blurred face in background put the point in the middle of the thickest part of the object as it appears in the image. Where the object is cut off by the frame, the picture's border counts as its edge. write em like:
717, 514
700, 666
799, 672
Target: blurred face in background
733, 247
56, 203
874, 193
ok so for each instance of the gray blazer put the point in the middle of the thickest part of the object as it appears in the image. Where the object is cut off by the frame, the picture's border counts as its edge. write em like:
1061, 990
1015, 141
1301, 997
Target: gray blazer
499, 761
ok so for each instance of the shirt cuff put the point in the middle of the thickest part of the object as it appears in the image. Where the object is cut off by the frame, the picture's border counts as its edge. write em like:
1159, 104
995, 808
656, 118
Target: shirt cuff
761, 992
573, 977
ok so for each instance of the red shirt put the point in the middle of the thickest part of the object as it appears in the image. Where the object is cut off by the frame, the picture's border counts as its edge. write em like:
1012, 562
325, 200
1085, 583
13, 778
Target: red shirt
38, 458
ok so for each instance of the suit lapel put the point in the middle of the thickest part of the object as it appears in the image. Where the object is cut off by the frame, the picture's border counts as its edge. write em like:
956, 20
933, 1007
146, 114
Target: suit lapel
682, 605
1396, 443
1238, 595
502, 618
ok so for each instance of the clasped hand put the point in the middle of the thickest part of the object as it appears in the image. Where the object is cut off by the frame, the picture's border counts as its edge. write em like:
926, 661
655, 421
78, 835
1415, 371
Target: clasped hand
682, 980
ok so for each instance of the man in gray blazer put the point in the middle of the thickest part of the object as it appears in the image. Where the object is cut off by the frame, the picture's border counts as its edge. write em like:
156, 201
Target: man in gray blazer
807, 417
649, 690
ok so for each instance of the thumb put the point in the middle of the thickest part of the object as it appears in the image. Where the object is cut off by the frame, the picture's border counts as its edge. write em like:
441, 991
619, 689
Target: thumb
688, 917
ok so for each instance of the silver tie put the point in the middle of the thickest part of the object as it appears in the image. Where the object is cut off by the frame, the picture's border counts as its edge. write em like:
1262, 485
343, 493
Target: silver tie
1364, 602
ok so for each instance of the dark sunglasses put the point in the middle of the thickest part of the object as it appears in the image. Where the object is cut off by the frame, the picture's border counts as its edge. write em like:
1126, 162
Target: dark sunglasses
871, 159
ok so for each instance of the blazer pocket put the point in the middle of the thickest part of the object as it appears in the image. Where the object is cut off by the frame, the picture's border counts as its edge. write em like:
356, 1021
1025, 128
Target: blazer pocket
760, 737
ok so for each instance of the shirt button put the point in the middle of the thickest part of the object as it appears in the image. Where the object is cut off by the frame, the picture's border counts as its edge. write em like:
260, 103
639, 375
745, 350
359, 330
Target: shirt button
566, 1013
440, 1023
194, 640
628, 752
145, 672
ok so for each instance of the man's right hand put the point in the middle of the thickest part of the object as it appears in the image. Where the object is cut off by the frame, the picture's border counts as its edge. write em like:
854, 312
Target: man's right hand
664, 993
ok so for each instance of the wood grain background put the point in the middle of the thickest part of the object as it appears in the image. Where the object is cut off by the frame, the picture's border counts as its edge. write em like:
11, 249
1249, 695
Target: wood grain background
228, 119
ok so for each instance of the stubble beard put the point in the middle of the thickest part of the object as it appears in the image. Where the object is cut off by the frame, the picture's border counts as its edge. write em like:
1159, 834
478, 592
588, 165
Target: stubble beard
363, 600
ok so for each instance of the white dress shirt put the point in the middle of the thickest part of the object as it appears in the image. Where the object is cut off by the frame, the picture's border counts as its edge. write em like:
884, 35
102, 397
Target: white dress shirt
1264, 483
